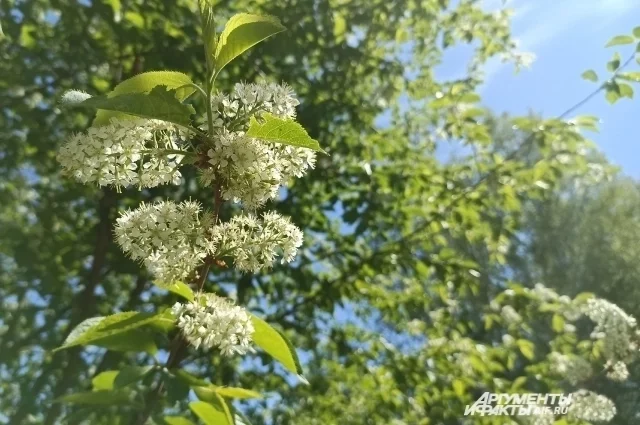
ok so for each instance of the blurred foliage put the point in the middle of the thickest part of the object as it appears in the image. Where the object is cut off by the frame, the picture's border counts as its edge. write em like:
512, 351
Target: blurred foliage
402, 245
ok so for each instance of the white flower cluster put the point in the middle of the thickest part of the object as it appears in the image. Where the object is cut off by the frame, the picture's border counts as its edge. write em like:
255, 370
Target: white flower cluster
617, 371
510, 315
254, 243
589, 406
542, 419
168, 237
614, 327
123, 153
74, 96
213, 321
573, 368
252, 169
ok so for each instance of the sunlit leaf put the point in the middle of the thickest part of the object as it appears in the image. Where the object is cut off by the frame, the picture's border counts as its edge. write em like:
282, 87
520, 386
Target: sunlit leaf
280, 130
242, 32
160, 103
143, 83
276, 345
620, 40
212, 414
590, 75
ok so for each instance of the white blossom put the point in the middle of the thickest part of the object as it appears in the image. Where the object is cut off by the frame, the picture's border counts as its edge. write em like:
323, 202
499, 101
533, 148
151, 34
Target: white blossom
125, 152
247, 100
589, 406
573, 368
213, 321
253, 243
253, 170
74, 96
614, 327
510, 315
169, 238
617, 372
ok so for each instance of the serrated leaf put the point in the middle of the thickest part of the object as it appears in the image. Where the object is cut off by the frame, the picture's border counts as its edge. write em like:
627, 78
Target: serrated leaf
160, 103
98, 398
177, 420
280, 130
590, 75
97, 329
130, 374
134, 340
620, 40
242, 32
180, 288
212, 414
144, 83
104, 380
276, 345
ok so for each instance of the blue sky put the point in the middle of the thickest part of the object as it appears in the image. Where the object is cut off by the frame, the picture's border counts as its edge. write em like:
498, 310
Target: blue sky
568, 37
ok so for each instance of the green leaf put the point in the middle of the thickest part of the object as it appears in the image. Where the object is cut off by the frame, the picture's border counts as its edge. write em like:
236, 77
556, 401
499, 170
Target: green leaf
625, 90
104, 380
177, 420
459, 387
1, 33
614, 63
636, 32
160, 103
211, 392
130, 374
280, 130
212, 414
557, 323
143, 83
590, 75
135, 19
208, 31
98, 398
100, 329
526, 348
235, 392
620, 40
587, 122
276, 345
612, 96
242, 32
190, 379
630, 76
182, 289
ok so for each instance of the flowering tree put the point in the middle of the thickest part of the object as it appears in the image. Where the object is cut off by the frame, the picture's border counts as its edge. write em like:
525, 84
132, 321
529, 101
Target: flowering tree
389, 299
246, 147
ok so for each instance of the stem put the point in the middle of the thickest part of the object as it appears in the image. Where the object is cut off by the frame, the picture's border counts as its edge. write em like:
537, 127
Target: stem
209, 88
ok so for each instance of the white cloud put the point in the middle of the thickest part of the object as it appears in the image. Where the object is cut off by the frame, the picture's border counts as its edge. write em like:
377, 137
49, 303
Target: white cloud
538, 22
